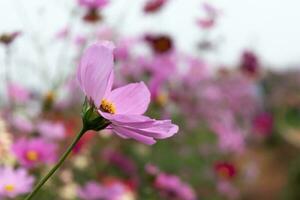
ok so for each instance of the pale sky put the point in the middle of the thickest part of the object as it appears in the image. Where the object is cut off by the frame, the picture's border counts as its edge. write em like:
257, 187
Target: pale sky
270, 27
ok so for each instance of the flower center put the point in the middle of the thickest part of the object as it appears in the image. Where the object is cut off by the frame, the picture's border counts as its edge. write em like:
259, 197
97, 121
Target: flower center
108, 107
32, 155
224, 173
9, 188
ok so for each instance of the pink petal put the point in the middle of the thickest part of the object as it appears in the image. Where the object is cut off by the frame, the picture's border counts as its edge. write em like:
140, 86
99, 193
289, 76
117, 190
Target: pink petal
94, 70
131, 99
136, 126
139, 121
122, 131
109, 84
160, 130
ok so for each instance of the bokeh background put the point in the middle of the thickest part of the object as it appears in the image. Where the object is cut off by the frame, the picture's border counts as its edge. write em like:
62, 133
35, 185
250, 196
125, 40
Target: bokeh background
227, 72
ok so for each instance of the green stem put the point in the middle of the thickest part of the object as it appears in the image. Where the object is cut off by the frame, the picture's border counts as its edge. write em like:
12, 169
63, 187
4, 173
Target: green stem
58, 164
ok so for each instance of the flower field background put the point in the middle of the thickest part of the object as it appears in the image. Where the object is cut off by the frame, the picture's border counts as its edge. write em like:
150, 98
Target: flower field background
159, 122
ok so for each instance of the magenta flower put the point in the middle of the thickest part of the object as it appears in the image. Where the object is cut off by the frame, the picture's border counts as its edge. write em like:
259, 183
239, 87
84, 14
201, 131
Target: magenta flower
93, 3
94, 191
250, 63
21, 124
172, 187
14, 182
33, 152
122, 107
51, 130
211, 16
153, 6
18, 93
263, 124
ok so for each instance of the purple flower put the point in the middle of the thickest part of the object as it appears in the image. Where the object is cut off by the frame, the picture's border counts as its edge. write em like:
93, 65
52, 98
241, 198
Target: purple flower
119, 160
263, 124
21, 124
230, 136
33, 152
123, 107
227, 189
153, 6
14, 182
18, 93
249, 63
51, 130
94, 191
93, 3
172, 187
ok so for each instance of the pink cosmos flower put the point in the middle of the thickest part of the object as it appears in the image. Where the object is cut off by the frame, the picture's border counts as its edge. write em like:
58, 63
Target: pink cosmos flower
51, 130
263, 124
122, 107
153, 6
206, 23
21, 124
33, 152
18, 93
14, 182
80, 40
119, 160
227, 189
93, 3
94, 191
63, 33
172, 187
211, 16
230, 137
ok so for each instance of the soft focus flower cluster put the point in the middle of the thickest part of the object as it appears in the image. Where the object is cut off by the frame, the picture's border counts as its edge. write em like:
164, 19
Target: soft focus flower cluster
233, 122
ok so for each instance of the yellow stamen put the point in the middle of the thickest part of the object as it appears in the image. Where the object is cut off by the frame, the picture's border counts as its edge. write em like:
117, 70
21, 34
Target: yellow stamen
50, 96
107, 106
162, 99
9, 188
32, 155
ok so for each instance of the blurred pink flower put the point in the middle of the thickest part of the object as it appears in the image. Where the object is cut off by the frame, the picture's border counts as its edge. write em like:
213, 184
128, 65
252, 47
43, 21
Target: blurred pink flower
80, 40
18, 93
93, 3
225, 170
105, 33
95, 191
263, 124
153, 6
173, 186
119, 160
14, 182
249, 63
206, 23
209, 20
228, 189
51, 130
123, 107
32, 152
152, 169
230, 137
22, 124
63, 33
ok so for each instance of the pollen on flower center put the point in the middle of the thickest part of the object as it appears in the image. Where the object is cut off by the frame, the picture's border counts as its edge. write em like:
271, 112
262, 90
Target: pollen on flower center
32, 155
9, 188
107, 106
